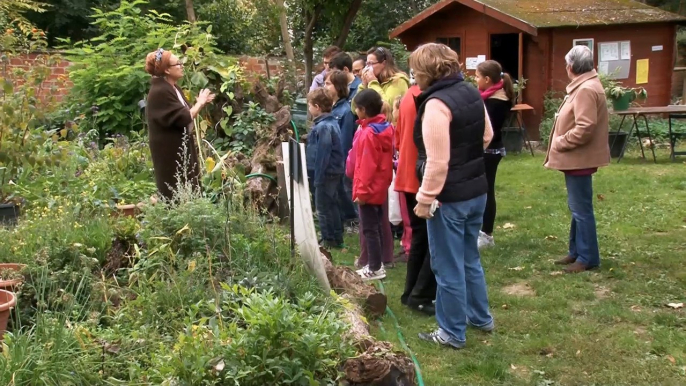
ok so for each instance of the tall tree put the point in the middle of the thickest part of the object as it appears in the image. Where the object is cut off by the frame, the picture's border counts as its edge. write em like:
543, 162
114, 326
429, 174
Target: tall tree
310, 17
348, 20
190, 11
330, 20
285, 35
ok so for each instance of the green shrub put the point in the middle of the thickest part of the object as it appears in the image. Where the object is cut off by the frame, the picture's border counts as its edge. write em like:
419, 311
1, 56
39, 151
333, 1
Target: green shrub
108, 71
244, 27
257, 339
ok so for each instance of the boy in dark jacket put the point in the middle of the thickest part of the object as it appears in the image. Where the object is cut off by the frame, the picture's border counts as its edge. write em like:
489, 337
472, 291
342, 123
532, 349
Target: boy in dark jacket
325, 166
370, 165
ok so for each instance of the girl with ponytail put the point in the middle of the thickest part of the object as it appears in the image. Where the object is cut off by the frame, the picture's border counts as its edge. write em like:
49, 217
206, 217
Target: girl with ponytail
498, 94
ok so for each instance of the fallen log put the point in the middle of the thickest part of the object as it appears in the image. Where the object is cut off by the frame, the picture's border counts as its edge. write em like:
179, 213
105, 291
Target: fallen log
345, 280
378, 364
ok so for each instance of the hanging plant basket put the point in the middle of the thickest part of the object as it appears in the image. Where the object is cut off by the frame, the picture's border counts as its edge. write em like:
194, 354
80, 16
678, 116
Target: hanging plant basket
622, 97
622, 103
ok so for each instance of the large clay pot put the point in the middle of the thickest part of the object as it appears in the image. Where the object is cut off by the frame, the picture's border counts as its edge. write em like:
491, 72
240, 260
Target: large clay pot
130, 210
9, 285
7, 301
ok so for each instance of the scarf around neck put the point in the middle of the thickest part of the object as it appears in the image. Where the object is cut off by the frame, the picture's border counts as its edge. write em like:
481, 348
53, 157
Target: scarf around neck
485, 94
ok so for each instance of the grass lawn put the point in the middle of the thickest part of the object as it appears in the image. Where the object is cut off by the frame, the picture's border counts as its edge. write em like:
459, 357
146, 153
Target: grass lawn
611, 326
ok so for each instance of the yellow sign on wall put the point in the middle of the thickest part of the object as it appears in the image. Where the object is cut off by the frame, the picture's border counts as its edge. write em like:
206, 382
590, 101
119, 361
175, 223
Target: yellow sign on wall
642, 66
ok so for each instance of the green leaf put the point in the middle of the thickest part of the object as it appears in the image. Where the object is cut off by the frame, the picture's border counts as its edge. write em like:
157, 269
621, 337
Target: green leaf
199, 79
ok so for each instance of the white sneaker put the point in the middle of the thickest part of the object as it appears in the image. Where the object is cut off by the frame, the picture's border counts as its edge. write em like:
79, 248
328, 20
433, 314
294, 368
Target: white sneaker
485, 241
368, 274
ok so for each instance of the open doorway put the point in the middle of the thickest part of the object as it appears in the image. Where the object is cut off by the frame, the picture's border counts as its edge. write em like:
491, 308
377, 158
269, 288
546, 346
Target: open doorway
505, 50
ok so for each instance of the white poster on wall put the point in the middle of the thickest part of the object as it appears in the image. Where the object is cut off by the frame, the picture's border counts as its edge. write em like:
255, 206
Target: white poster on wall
625, 50
480, 59
471, 63
603, 68
608, 51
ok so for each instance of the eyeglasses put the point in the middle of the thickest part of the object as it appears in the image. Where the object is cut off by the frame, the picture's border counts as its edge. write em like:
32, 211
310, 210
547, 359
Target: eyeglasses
372, 63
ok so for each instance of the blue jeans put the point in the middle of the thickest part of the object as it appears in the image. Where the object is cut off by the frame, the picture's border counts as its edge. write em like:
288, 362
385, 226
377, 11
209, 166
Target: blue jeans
461, 285
326, 202
583, 239
347, 207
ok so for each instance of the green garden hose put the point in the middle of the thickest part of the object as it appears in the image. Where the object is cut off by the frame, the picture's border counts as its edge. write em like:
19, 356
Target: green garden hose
420, 380
261, 175
295, 130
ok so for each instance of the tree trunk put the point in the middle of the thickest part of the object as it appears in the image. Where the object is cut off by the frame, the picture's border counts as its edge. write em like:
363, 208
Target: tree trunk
283, 21
264, 192
190, 11
348, 22
310, 21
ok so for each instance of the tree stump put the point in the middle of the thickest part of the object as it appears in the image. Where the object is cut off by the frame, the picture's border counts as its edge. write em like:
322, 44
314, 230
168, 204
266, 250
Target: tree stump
262, 191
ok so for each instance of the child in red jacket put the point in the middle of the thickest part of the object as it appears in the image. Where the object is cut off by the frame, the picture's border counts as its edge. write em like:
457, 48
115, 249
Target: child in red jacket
370, 166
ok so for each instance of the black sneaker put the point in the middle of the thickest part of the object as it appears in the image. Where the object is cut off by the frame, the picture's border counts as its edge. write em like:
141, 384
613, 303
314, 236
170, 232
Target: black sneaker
427, 309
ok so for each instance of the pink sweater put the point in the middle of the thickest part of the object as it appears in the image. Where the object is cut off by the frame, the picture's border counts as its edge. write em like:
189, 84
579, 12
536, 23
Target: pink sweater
435, 130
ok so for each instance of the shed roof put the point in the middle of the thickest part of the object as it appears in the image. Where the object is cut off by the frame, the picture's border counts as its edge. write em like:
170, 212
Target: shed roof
529, 15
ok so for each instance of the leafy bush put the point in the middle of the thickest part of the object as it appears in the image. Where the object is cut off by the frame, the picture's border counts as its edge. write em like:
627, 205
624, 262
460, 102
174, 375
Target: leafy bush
243, 27
62, 250
27, 101
108, 71
248, 126
119, 173
257, 339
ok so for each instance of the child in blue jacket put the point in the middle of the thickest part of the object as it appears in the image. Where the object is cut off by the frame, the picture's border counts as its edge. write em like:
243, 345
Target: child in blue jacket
337, 84
325, 166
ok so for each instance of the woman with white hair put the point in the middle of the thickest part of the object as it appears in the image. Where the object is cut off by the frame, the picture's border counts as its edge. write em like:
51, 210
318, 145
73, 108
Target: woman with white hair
578, 146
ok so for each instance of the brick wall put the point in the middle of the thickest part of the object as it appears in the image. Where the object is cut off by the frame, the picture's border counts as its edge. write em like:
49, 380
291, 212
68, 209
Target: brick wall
59, 84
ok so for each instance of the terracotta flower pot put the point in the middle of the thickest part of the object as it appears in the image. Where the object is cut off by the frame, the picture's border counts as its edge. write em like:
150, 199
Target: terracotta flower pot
7, 301
130, 210
11, 284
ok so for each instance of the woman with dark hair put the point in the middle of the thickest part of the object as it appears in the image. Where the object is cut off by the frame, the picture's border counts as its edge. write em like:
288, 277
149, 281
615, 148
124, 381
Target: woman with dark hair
170, 124
498, 94
383, 76
451, 132
337, 85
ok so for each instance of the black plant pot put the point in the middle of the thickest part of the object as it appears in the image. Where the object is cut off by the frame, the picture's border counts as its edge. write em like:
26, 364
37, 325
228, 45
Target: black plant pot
617, 142
512, 140
9, 213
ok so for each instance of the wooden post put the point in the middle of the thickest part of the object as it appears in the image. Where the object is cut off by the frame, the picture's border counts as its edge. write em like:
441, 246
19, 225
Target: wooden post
520, 65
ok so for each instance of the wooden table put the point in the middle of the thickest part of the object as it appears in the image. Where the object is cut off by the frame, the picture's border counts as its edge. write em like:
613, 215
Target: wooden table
673, 111
517, 115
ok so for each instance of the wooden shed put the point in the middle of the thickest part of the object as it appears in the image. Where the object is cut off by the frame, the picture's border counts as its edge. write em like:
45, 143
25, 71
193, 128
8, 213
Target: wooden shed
531, 37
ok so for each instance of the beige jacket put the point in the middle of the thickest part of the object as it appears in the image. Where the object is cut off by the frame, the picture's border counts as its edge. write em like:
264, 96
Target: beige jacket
579, 138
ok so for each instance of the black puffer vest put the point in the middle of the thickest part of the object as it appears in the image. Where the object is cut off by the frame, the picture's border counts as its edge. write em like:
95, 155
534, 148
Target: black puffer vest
466, 173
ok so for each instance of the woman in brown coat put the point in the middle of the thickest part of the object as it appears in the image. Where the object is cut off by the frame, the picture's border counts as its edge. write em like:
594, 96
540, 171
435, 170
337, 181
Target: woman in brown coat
170, 124
578, 146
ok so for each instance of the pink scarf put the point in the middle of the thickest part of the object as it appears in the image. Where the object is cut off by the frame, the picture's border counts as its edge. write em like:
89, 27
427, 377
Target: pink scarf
485, 94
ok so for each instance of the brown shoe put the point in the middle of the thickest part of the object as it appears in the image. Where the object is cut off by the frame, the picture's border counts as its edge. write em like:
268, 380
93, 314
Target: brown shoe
577, 267
566, 261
